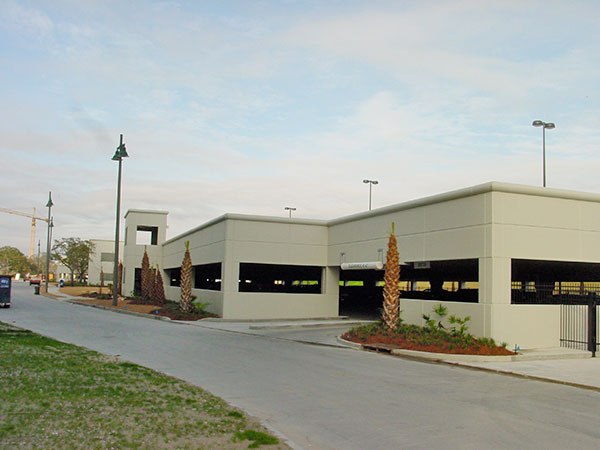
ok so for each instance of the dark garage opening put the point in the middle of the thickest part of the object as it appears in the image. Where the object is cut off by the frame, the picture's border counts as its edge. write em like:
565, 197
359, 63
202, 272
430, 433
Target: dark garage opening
208, 276
280, 278
361, 291
553, 282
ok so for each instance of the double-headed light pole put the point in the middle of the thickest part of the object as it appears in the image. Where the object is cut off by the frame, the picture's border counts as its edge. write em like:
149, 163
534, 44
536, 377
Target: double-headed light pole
544, 125
118, 156
290, 209
371, 183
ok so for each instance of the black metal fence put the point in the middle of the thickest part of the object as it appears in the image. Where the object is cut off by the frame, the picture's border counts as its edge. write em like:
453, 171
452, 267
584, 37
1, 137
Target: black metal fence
578, 326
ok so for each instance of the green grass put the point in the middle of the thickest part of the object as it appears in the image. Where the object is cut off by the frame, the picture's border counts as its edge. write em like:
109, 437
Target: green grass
59, 396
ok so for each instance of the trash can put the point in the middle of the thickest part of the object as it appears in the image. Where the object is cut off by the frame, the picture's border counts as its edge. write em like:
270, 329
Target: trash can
5, 285
36, 289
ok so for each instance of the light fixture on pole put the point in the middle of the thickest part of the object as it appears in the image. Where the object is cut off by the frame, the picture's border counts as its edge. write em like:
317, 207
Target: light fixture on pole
49, 205
371, 183
118, 156
544, 125
290, 209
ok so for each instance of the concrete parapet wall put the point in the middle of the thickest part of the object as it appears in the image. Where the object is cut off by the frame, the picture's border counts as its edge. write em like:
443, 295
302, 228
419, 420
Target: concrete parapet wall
262, 305
528, 326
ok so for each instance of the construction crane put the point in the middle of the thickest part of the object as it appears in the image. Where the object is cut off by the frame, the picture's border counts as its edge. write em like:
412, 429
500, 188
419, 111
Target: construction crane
33, 218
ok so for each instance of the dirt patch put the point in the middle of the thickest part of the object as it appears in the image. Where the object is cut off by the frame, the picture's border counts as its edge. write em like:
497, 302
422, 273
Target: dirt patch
126, 305
80, 290
169, 309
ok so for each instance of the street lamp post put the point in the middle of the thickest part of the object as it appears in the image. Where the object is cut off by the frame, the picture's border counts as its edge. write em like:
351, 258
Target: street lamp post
49, 205
544, 125
290, 209
371, 183
120, 153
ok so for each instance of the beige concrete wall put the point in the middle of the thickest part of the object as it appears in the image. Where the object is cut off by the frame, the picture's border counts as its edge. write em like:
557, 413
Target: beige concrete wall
455, 229
213, 298
277, 242
207, 245
546, 228
264, 305
479, 325
528, 326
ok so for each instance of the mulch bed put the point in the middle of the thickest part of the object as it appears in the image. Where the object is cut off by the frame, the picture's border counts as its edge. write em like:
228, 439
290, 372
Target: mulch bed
172, 311
410, 342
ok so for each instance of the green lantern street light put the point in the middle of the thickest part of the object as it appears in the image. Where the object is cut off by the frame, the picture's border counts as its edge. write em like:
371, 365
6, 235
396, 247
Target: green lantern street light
118, 156
49, 205
544, 125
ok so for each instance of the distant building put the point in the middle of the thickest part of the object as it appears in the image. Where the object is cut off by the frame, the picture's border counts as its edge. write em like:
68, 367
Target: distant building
102, 259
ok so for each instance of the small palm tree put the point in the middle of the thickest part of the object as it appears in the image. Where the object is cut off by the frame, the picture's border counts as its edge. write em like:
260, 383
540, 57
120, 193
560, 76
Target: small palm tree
145, 277
186, 281
101, 280
391, 289
159, 288
120, 279
151, 282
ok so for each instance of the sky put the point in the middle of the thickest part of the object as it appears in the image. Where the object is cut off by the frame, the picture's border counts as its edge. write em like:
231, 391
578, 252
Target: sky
251, 106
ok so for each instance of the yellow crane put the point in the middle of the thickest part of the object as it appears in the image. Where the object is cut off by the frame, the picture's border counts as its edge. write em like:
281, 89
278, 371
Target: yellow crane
33, 218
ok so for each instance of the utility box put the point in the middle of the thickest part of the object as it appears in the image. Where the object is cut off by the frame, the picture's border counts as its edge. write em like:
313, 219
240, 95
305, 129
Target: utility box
5, 286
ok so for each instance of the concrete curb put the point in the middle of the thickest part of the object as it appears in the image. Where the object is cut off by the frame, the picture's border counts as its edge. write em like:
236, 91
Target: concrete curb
308, 325
218, 319
451, 358
349, 344
458, 359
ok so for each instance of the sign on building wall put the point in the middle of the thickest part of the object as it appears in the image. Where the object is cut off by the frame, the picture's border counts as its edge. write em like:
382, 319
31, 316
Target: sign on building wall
376, 265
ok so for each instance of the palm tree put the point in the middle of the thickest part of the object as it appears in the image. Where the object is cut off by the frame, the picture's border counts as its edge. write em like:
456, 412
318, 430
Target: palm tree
159, 289
151, 281
120, 279
391, 289
101, 280
186, 281
145, 277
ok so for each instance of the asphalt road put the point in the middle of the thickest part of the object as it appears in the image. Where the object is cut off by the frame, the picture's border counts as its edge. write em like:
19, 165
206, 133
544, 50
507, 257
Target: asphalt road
332, 398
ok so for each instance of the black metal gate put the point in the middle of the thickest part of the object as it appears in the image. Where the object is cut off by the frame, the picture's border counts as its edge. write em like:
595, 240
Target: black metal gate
579, 324
578, 310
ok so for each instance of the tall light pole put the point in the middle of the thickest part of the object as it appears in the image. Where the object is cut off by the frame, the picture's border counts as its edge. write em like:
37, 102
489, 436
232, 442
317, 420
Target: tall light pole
371, 183
118, 156
49, 205
544, 125
290, 209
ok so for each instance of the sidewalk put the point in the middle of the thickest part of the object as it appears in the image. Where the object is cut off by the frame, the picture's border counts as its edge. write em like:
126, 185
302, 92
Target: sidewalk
558, 365
583, 372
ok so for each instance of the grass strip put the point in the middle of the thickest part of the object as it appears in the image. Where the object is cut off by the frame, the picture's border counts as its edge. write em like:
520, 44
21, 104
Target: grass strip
60, 396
